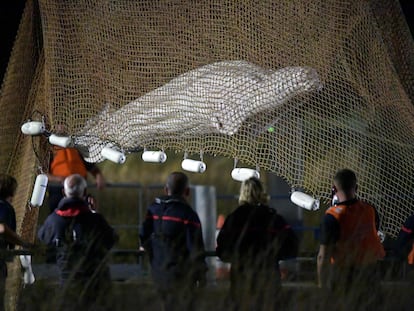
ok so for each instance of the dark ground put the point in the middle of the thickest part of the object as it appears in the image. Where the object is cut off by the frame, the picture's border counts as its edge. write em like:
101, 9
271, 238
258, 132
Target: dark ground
139, 294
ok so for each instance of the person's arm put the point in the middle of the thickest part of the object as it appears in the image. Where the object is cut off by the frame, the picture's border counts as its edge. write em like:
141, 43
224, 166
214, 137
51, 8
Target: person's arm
330, 232
285, 242
147, 228
226, 240
97, 174
377, 218
12, 237
195, 245
405, 238
324, 255
110, 236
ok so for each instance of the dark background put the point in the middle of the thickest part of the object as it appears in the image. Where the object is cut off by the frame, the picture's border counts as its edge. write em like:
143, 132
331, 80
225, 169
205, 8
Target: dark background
11, 11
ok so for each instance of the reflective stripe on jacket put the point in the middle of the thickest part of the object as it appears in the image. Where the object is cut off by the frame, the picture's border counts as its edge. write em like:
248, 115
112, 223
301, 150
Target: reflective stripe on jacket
172, 235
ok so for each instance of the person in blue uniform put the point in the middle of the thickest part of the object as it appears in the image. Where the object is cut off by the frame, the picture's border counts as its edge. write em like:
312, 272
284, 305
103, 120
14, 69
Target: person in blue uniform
83, 239
8, 236
172, 235
405, 246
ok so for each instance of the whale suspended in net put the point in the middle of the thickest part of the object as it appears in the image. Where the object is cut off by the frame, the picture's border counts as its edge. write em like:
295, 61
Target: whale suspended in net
215, 98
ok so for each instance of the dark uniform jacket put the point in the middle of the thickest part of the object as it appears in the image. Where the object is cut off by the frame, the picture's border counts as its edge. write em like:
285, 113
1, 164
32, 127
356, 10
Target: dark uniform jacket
405, 241
172, 235
256, 237
7, 217
83, 239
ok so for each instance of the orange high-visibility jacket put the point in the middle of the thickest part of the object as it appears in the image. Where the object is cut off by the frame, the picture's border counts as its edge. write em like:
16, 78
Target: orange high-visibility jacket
358, 242
67, 161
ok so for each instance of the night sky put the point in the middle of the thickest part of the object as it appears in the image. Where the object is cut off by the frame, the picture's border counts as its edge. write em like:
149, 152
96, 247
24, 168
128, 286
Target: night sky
11, 10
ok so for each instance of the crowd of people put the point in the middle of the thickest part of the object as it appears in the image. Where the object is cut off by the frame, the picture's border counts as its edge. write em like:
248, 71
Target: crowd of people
253, 239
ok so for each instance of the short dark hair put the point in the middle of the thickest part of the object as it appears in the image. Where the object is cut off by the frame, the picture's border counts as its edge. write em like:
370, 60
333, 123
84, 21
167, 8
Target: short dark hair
8, 186
345, 179
177, 182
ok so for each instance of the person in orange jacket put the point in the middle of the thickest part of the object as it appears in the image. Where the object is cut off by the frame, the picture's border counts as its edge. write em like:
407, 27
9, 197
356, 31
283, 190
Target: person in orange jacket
65, 162
350, 247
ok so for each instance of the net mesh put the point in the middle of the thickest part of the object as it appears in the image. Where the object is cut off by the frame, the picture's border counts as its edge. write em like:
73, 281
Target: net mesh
293, 87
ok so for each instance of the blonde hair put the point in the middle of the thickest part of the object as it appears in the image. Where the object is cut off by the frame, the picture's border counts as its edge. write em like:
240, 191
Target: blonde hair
252, 192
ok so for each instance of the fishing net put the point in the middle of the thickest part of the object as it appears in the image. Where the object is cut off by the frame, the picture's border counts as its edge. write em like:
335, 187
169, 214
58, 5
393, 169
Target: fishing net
296, 88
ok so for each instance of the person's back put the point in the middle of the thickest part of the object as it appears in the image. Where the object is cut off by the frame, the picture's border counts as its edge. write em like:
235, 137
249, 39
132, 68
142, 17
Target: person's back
253, 239
172, 235
83, 239
358, 243
350, 247
254, 236
171, 252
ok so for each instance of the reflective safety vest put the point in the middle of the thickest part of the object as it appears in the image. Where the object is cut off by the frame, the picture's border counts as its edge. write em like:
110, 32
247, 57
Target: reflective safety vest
358, 242
67, 161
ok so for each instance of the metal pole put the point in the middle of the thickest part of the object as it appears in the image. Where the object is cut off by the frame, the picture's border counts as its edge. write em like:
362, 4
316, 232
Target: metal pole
205, 204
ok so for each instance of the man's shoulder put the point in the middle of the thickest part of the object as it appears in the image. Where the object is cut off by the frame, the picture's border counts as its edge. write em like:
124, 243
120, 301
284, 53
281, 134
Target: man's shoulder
365, 203
53, 218
93, 217
336, 209
177, 202
5, 205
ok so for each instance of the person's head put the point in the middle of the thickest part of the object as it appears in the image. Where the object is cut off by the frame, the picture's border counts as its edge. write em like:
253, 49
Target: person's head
345, 182
75, 186
177, 184
252, 192
8, 186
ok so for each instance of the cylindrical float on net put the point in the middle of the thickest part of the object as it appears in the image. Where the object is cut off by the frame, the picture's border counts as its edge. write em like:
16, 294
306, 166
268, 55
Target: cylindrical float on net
242, 173
61, 141
154, 156
113, 155
304, 200
33, 128
26, 262
193, 166
39, 190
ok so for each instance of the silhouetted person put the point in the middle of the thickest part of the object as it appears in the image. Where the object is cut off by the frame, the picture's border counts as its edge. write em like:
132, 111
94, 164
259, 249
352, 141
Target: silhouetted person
253, 239
350, 247
8, 236
83, 240
172, 235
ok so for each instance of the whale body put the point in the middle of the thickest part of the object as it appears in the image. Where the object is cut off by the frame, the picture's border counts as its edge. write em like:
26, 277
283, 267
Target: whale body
215, 98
